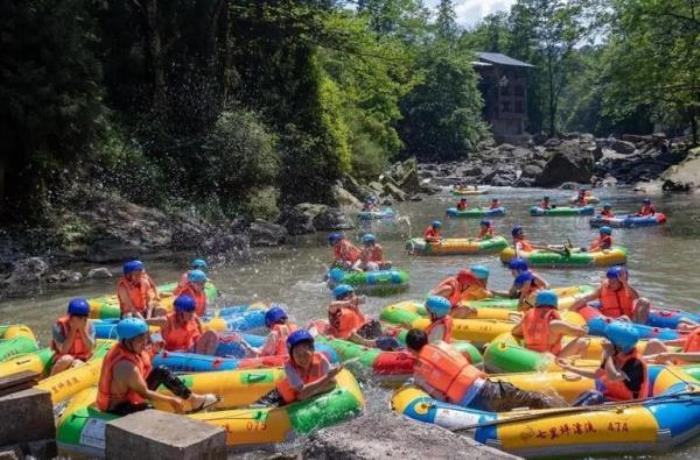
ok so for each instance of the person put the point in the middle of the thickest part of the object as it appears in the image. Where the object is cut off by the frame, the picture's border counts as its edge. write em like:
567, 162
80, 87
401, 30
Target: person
372, 255
447, 375
462, 205
197, 264
495, 204
440, 327
545, 204
345, 253
183, 331
604, 241
466, 285
607, 211
73, 337
127, 380
135, 291
368, 206
657, 351
525, 287
519, 265
581, 199
647, 208
617, 298
432, 232
542, 329
486, 231
622, 375
196, 279
519, 241
277, 322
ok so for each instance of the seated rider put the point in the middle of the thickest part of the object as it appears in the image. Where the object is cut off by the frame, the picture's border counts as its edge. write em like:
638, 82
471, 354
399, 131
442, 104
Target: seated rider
607, 211
462, 205
545, 204
604, 241
622, 375
73, 337
519, 265
372, 255
128, 381
542, 329
519, 241
194, 287
486, 231
432, 232
182, 329
495, 204
440, 327
525, 287
447, 375
136, 291
344, 252
276, 344
581, 199
647, 209
197, 264
658, 351
466, 285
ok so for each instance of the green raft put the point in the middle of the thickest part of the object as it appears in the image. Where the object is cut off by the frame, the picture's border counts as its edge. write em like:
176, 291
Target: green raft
616, 255
566, 296
378, 283
505, 354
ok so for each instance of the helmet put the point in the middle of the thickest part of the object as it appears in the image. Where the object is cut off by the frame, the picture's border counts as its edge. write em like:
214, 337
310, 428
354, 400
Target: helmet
607, 206
622, 335
274, 315
606, 230
343, 290
546, 198
438, 306
333, 237
128, 328
487, 223
517, 230
523, 278
546, 299
480, 271
199, 264
369, 238
518, 263
436, 224
79, 307
132, 266
646, 201
494, 199
615, 272
196, 276
297, 337
184, 303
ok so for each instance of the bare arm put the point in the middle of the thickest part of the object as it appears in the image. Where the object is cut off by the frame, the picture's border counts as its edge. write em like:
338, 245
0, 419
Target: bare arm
558, 326
323, 385
126, 372
125, 300
517, 330
585, 299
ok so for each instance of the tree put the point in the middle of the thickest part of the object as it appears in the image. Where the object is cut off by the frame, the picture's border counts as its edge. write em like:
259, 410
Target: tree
446, 23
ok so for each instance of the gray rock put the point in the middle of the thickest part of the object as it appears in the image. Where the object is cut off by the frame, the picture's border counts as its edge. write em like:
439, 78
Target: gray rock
299, 220
263, 233
376, 187
345, 198
332, 219
684, 176
65, 277
569, 186
25, 277
551, 143
99, 273
395, 192
623, 147
532, 170
571, 161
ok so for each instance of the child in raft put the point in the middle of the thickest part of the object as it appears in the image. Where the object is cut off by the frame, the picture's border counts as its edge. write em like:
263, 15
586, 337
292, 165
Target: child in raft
486, 230
344, 252
447, 375
277, 322
432, 233
647, 209
495, 204
73, 337
607, 211
136, 291
658, 351
194, 287
371, 256
182, 329
545, 204
440, 327
466, 285
462, 205
604, 241
581, 199
526, 284
197, 264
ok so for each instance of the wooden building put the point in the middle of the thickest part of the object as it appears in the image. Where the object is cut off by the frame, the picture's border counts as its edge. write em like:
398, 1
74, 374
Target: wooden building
503, 85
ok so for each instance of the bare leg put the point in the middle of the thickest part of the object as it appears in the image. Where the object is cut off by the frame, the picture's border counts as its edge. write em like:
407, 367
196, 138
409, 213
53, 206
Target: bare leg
576, 347
654, 347
641, 311
207, 343
63, 363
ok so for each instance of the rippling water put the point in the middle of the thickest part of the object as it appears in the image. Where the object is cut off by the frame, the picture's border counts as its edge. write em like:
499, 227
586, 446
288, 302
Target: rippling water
662, 261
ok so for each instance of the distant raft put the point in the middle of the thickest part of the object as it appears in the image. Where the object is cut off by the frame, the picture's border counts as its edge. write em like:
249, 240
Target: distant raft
562, 211
476, 212
384, 214
589, 199
456, 246
616, 255
379, 282
16, 339
628, 221
567, 296
466, 192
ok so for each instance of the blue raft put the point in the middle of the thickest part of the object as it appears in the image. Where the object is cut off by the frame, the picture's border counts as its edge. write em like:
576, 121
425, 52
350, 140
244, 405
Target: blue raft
628, 221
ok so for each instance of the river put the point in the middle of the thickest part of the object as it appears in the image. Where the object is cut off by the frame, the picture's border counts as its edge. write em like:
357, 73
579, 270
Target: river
662, 262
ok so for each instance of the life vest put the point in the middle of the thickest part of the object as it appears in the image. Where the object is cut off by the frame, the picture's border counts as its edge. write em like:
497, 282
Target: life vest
692, 341
138, 294
647, 210
105, 398
524, 245
373, 254
310, 375
455, 289
199, 296
444, 372
279, 333
618, 391
536, 330
433, 328
484, 232
602, 242
461, 206
79, 349
180, 337
431, 234
605, 213
615, 303
474, 292
345, 322
346, 251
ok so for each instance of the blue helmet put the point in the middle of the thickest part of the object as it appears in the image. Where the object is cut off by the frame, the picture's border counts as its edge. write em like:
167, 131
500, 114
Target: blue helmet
132, 266
646, 201
436, 224
369, 238
546, 299
199, 264
480, 271
607, 206
333, 237
184, 303
438, 306
274, 315
517, 230
605, 230
196, 276
518, 263
79, 307
128, 328
486, 223
615, 272
342, 290
623, 335
297, 337
523, 278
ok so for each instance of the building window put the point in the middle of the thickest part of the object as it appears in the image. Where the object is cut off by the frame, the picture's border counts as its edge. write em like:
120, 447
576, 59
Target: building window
519, 91
519, 106
505, 107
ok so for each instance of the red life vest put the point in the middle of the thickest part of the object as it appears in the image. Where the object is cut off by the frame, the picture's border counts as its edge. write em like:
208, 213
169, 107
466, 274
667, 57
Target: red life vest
455, 289
200, 297
618, 391
431, 234
692, 341
105, 398
602, 242
495, 205
310, 375
178, 336
461, 206
346, 251
78, 350
280, 332
536, 330
446, 323
545, 205
608, 213
345, 322
138, 294
444, 372
647, 210
615, 303
524, 245
372, 254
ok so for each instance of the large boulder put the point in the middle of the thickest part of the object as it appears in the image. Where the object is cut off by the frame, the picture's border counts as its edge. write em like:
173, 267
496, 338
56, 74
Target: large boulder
299, 220
394, 192
345, 198
235, 246
99, 273
263, 233
26, 276
623, 147
684, 176
332, 219
571, 161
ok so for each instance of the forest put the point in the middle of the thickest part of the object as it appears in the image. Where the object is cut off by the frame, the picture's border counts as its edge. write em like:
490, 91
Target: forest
238, 107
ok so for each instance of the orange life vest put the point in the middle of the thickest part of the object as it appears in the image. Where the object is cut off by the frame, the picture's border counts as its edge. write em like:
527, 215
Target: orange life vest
431, 234
692, 341
524, 244
618, 391
474, 292
455, 289
79, 349
138, 294
605, 213
200, 297
446, 323
444, 372
346, 251
345, 322
536, 330
280, 332
105, 398
372, 254
461, 206
615, 303
602, 242
310, 375
178, 336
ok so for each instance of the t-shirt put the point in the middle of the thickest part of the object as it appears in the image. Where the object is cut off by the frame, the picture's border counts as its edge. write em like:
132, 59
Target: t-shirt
295, 379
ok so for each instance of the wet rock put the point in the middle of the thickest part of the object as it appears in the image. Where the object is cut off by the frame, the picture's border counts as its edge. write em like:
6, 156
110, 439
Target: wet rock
569, 186
345, 198
26, 276
390, 435
99, 273
332, 219
623, 147
376, 187
571, 161
394, 192
65, 277
532, 170
685, 176
235, 245
263, 233
299, 220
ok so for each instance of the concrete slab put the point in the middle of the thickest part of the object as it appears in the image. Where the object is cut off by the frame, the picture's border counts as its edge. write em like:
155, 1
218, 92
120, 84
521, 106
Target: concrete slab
27, 416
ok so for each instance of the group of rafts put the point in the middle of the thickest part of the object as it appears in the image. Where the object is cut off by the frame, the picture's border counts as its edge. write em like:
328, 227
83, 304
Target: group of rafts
546, 346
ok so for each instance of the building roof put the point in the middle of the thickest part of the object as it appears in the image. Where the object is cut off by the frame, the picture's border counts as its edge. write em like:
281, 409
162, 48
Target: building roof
502, 59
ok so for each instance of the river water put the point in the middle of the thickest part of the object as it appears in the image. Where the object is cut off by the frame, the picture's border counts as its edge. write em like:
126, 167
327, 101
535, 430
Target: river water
662, 261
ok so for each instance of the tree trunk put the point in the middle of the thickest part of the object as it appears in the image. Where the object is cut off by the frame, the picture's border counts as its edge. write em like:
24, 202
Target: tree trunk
148, 9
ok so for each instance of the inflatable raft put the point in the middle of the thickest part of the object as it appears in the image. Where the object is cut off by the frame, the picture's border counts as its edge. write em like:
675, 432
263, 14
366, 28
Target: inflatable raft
562, 211
476, 212
567, 297
617, 255
628, 221
456, 246
380, 282
16, 339
467, 192
589, 199
385, 214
